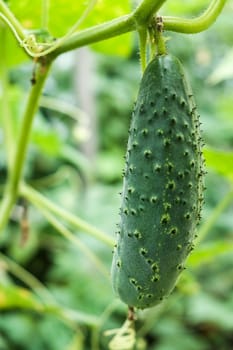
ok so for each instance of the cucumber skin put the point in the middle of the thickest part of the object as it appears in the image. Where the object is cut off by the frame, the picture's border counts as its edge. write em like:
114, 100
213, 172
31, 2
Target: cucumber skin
162, 188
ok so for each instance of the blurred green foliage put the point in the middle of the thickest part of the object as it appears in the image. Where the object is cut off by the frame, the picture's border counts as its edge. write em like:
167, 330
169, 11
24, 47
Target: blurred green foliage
198, 315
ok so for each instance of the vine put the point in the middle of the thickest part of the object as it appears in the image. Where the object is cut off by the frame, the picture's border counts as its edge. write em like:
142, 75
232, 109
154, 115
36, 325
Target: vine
5, 112
195, 25
134, 21
14, 176
139, 17
142, 32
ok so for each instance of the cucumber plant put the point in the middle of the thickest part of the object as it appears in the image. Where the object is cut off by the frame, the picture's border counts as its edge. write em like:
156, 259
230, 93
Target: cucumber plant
162, 191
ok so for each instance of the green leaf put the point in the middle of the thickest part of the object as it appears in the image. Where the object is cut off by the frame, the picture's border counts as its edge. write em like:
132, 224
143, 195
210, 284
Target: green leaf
14, 53
27, 12
105, 11
220, 161
208, 252
15, 297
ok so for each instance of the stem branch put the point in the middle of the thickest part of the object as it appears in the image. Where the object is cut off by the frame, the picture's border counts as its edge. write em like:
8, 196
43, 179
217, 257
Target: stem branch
195, 25
139, 17
97, 33
5, 105
14, 177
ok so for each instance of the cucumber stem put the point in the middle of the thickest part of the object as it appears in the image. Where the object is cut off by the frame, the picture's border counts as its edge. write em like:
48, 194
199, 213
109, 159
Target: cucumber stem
157, 41
20, 150
161, 47
198, 24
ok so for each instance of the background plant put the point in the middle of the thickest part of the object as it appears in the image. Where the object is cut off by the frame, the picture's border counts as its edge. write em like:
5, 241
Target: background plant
55, 165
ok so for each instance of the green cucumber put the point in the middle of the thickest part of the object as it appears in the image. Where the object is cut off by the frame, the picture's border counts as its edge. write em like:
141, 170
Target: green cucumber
163, 187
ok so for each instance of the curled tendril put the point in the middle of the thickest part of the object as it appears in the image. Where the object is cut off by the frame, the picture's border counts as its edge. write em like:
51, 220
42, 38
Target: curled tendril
124, 337
32, 46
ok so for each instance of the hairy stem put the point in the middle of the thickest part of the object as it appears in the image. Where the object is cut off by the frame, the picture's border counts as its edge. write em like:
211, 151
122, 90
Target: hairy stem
195, 25
39, 200
160, 42
14, 177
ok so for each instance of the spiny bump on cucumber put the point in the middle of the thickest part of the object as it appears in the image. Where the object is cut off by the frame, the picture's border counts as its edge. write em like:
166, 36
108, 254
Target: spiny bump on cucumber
162, 189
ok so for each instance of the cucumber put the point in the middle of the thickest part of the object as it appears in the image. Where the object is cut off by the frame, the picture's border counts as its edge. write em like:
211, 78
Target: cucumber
162, 189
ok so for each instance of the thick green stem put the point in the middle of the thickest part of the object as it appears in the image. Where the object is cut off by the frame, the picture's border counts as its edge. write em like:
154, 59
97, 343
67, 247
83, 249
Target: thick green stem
4, 102
161, 47
195, 25
107, 30
97, 33
146, 9
159, 39
12, 186
140, 17
39, 200
121, 25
